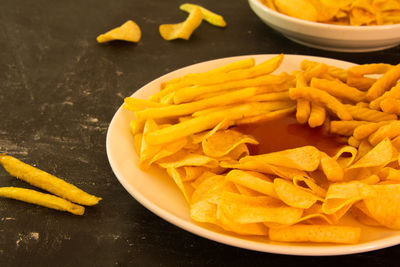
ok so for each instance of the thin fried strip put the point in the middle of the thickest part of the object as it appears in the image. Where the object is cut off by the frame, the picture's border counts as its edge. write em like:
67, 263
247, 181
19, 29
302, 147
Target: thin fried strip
189, 93
186, 80
317, 115
338, 89
46, 181
394, 92
188, 108
384, 83
390, 105
202, 123
316, 95
363, 131
345, 128
367, 114
42, 199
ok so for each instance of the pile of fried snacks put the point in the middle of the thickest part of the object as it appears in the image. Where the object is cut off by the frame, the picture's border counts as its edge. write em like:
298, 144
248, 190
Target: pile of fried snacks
185, 29
343, 12
302, 194
66, 192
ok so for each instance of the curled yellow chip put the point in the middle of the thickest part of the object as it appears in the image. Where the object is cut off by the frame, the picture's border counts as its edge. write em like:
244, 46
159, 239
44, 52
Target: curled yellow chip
129, 31
184, 29
209, 16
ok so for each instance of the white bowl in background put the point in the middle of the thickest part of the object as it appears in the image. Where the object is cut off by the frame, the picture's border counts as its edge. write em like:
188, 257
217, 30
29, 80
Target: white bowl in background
330, 37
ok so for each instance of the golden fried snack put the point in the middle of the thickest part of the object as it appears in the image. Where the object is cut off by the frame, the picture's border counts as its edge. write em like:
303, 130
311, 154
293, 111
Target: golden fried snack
319, 96
384, 83
335, 72
363, 131
345, 128
188, 108
42, 199
338, 89
390, 105
46, 181
129, 31
209, 16
316, 233
292, 8
187, 80
365, 69
394, 92
208, 121
184, 29
367, 114
317, 115
269, 116
187, 94
389, 130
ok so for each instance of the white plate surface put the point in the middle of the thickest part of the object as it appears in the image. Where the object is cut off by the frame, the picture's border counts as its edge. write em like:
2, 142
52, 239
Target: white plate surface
158, 193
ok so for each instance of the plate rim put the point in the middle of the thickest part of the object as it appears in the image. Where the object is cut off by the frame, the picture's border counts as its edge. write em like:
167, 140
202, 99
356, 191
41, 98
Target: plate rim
194, 228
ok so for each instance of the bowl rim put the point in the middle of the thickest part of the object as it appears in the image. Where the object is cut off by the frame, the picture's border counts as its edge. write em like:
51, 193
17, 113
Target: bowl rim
324, 26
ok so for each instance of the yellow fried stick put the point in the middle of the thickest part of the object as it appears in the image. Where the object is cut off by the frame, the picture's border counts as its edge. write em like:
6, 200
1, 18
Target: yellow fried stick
384, 83
209, 16
129, 31
303, 108
394, 92
316, 95
390, 105
317, 115
46, 181
367, 114
345, 128
42, 199
184, 29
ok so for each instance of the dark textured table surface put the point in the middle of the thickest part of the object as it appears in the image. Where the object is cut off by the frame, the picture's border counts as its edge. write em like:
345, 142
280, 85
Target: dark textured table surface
59, 89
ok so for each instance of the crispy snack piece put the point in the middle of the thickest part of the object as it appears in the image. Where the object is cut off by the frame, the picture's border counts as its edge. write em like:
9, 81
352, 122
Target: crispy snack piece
292, 8
316, 233
46, 181
367, 114
209, 16
345, 128
184, 29
374, 68
269, 116
333, 71
303, 108
363, 131
390, 130
390, 105
384, 83
305, 158
394, 92
319, 96
180, 82
317, 115
338, 89
191, 107
42, 199
129, 31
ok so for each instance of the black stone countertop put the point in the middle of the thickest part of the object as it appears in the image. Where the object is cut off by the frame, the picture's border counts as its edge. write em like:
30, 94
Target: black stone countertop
59, 89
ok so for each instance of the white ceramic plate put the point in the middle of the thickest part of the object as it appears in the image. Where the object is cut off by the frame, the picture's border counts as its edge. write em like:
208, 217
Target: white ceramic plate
157, 192
328, 36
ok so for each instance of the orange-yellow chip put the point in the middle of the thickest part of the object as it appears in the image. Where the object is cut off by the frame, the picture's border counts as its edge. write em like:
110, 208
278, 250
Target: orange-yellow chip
184, 29
129, 31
